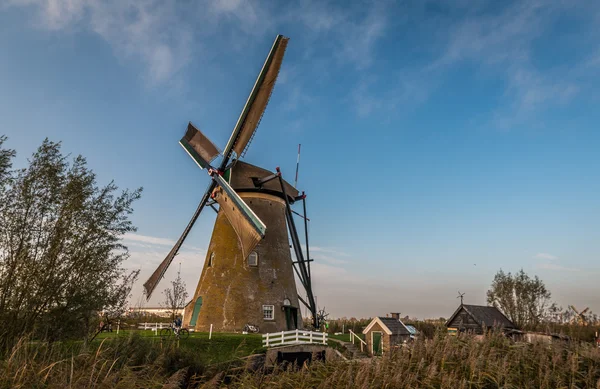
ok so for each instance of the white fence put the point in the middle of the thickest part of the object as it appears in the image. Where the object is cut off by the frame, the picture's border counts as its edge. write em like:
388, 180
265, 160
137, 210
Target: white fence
293, 337
153, 326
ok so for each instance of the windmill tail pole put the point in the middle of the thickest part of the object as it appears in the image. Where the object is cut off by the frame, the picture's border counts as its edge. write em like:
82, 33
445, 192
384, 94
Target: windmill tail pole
297, 166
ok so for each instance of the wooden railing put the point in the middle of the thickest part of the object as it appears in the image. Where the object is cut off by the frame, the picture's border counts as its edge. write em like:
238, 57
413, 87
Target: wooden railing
293, 337
354, 336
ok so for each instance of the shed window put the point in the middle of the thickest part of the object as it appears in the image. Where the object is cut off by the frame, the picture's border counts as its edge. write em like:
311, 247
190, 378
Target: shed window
268, 311
253, 259
211, 259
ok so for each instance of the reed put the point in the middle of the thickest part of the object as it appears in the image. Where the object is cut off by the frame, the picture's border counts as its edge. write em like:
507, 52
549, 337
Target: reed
461, 362
450, 362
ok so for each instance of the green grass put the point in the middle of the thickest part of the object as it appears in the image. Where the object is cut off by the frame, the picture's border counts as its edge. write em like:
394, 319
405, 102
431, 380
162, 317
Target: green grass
344, 337
221, 347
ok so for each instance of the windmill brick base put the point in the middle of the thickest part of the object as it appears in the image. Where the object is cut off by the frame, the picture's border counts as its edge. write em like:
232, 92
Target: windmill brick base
234, 291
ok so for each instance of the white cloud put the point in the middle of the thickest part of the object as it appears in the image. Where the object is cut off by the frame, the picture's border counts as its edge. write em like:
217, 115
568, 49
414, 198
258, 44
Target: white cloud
545, 256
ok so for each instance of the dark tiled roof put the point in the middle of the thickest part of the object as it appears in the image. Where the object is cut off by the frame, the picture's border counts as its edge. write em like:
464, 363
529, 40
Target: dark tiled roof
394, 325
490, 316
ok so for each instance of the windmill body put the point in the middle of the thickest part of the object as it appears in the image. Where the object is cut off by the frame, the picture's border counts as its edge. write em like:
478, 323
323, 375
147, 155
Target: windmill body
248, 277
257, 289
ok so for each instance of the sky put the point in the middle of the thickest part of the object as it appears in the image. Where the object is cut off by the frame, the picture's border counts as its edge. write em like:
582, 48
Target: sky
441, 140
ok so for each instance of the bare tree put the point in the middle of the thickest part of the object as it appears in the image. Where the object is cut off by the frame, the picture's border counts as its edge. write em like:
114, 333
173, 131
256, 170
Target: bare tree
116, 307
176, 296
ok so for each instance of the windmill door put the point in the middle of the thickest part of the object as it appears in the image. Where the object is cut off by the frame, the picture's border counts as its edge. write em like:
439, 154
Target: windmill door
376, 337
291, 317
196, 312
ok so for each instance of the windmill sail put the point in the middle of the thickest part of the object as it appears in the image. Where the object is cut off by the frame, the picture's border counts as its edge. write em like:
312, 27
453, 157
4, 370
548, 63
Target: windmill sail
257, 101
248, 227
158, 274
198, 146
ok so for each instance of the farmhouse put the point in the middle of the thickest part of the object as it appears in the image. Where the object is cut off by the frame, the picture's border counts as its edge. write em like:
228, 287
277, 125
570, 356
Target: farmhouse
476, 319
385, 333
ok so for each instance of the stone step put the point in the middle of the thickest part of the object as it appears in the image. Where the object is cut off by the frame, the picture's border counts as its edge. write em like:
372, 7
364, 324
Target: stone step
355, 350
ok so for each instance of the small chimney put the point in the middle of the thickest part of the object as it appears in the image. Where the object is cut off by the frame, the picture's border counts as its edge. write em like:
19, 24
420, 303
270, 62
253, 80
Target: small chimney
396, 315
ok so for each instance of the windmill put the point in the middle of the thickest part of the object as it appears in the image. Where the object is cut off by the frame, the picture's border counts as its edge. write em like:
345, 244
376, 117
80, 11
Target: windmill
248, 273
579, 317
460, 296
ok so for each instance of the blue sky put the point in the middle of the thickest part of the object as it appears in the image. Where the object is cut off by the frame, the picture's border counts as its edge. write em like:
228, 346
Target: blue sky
441, 140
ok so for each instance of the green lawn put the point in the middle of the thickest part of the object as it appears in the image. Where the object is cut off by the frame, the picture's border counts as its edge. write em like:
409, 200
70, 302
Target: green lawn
344, 337
220, 348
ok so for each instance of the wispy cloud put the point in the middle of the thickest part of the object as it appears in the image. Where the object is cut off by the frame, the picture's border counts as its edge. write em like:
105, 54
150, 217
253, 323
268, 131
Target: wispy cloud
557, 267
147, 32
152, 240
500, 44
545, 256
328, 250
361, 37
164, 37
148, 239
147, 252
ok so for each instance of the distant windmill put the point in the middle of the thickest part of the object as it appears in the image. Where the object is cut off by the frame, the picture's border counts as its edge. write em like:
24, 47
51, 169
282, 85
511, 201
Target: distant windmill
322, 317
579, 317
460, 296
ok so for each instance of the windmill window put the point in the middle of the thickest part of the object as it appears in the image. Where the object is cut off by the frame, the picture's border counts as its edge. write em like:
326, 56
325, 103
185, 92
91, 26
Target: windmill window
211, 259
253, 259
268, 312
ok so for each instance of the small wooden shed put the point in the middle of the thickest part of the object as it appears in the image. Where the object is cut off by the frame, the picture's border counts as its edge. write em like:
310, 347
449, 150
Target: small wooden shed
476, 319
384, 333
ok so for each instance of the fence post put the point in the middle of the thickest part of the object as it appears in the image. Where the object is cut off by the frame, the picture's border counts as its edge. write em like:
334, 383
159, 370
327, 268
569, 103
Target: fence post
310, 336
282, 340
297, 338
324, 341
267, 339
210, 332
